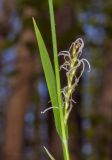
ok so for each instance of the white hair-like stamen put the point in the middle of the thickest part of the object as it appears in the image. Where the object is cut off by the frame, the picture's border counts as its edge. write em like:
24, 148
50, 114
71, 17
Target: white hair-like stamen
47, 109
83, 59
65, 65
75, 67
71, 100
64, 53
83, 68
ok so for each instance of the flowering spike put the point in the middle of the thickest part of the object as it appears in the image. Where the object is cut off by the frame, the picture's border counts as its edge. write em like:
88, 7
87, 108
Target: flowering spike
71, 64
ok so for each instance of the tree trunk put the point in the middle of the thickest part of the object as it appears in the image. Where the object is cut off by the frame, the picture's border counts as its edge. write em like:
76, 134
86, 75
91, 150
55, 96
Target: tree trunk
15, 122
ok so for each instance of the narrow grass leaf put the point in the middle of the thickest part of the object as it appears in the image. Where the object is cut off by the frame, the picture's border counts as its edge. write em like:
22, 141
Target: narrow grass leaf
49, 75
49, 154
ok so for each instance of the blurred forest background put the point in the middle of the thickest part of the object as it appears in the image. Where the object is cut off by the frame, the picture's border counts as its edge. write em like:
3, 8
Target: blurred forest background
23, 91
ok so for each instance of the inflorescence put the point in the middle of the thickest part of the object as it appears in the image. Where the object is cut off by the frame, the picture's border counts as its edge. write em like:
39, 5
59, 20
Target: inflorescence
72, 62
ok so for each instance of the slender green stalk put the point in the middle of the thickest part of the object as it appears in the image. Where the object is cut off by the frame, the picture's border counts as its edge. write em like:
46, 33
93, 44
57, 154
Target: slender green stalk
54, 41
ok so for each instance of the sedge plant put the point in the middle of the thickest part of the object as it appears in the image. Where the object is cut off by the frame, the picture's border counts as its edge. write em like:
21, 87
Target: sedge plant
61, 98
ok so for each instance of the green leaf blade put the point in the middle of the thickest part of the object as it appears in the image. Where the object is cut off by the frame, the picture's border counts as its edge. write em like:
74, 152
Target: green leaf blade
49, 154
49, 75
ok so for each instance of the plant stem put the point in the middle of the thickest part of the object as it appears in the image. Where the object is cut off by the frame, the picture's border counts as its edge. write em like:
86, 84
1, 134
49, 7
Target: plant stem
54, 41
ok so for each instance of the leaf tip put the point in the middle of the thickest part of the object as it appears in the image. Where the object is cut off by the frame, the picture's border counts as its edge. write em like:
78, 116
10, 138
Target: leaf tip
33, 19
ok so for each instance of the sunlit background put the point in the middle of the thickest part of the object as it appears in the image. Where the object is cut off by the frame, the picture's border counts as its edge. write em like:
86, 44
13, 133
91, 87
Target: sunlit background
23, 91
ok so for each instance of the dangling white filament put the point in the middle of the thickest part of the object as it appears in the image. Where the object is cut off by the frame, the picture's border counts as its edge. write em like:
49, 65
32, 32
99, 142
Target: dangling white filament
47, 109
